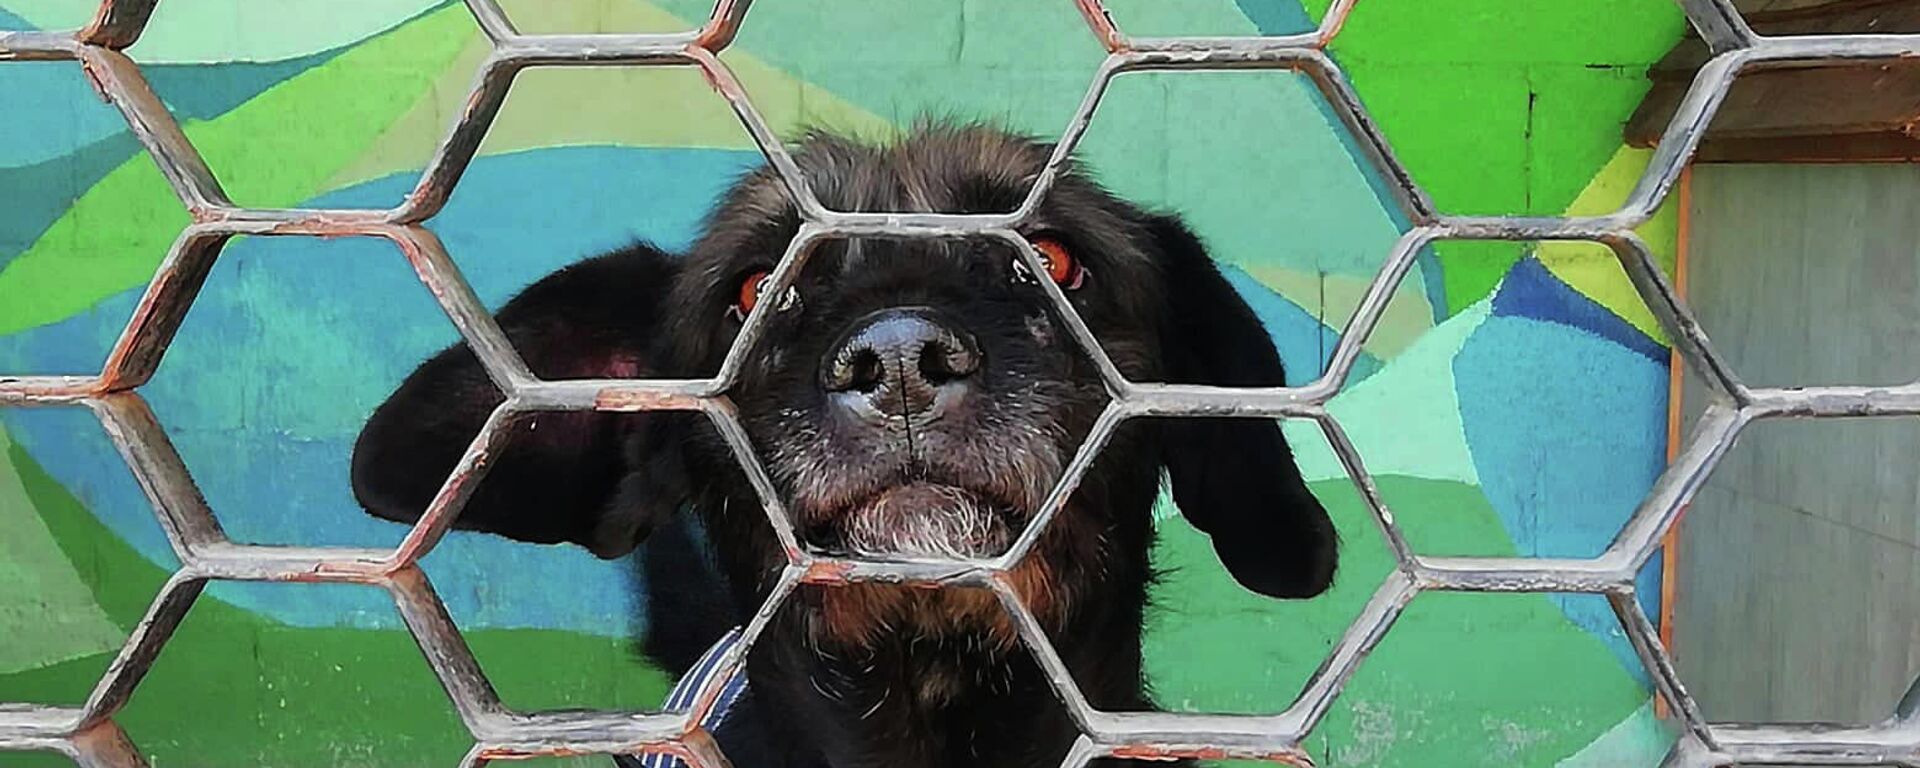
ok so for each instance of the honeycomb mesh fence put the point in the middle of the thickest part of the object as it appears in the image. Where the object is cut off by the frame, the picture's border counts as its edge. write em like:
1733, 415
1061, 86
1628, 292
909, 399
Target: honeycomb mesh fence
88, 732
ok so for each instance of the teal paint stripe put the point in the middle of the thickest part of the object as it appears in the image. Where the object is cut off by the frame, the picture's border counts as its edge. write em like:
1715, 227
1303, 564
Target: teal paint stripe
1276, 17
13, 23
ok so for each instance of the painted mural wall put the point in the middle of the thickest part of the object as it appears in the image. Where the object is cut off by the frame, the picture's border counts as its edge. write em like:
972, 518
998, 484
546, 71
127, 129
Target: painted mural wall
1514, 401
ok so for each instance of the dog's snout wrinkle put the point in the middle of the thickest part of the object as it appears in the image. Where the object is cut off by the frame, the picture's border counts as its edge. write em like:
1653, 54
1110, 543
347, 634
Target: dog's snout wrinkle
907, 410
900, 363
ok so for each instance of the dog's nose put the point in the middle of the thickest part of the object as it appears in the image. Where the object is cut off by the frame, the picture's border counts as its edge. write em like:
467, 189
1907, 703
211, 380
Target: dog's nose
899, 362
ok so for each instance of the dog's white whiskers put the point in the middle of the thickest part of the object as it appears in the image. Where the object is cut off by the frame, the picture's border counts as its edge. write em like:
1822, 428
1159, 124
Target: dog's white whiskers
829, 695
885, 694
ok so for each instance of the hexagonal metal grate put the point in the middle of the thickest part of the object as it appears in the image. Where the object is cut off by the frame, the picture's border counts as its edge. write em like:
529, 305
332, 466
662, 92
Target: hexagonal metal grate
89, 734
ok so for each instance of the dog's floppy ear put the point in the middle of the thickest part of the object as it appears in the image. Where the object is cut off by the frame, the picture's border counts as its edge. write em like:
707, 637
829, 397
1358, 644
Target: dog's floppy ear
1234, 478
600, 480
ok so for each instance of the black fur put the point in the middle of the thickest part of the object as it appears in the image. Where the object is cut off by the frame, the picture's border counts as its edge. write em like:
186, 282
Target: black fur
878, 675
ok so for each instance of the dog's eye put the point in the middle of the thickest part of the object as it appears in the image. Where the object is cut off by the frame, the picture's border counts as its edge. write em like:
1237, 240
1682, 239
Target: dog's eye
1062, 268
1059, 263
752, 288
750, 292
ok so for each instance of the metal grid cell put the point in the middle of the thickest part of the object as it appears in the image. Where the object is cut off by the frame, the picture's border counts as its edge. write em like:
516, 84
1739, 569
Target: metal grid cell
89, 735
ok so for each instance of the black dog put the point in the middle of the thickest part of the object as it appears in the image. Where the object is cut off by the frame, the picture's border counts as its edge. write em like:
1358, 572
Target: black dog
911, 398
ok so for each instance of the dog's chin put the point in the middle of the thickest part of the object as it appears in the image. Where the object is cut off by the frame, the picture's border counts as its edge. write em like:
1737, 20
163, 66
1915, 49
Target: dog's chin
920, 520
924, 520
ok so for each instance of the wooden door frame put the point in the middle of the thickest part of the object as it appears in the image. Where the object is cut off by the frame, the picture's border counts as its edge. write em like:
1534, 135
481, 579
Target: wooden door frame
1676, 390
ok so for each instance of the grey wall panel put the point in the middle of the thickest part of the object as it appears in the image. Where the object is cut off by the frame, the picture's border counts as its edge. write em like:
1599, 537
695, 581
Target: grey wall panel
1799, 574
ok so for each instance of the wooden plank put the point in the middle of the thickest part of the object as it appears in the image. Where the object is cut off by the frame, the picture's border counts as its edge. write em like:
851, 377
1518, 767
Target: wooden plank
1861, 16
1676, 405
1864, 110
1873, 102
1767, 16
1852, 148
1762, 10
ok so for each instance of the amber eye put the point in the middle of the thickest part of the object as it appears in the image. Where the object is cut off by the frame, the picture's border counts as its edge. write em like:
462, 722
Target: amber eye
750, 292
1059, 263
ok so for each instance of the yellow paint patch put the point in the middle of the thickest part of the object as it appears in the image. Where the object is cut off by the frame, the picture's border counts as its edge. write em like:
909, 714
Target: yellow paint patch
618, 106
410, 140
593, 17
1332, 299
1591, 268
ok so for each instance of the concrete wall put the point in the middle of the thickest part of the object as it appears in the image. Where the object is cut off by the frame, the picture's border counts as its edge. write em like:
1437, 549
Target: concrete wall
1512, 403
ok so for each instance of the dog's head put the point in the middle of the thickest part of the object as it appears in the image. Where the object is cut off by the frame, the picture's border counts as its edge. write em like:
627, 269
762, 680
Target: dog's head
909, 397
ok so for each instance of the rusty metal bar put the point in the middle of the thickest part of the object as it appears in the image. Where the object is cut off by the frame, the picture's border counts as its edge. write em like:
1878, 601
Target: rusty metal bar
550, 732
1816, 744
1210, 400
1062, 155
117, 24
1356, 470
436, 270
1683, 134
136, 355
1713, 435
1653, 655
493, 20
1373, 305
1334, 20
24, 391
38, 46
735, 657
901, 226
618, 395
22, 725
1247, 734
1110, 375
1835, 402
1083, 458
785, 274
1362, 636
560, 50
1204, 750
183, 513
291, 221
1597, 228
1252, 47
455, 152
720, 76
726, 422
1907, 712
1520, 574
1835, 48
1082, 752
837, 571
1719, 24
465, 478
104, 746
1683, 330
254, 562
1305, 59
723, 24
1090, 721
120, 81
141, 648
446, 652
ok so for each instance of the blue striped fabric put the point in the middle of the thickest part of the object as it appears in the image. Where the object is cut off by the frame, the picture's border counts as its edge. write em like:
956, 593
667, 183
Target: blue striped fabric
683, 693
